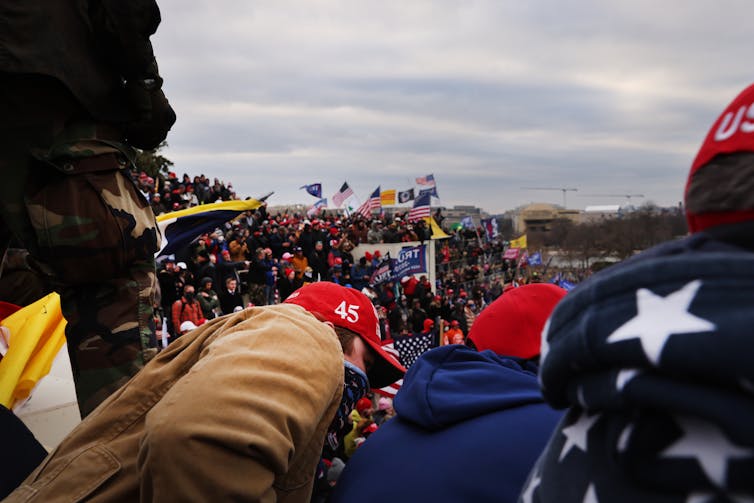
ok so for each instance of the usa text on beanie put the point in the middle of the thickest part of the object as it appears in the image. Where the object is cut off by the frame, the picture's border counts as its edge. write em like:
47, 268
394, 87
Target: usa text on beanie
720, 187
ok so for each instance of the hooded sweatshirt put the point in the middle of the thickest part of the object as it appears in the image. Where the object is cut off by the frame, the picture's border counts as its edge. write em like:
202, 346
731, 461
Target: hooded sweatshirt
468, 427
653, 357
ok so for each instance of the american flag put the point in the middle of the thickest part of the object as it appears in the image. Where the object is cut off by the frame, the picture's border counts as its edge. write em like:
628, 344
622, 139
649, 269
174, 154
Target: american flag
316, 207
390, 390
426, 180
420, 209
411, 347
344, 193
373, 203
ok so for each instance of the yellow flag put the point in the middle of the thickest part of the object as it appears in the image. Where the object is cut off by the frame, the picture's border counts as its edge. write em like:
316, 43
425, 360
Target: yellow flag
519, 242
437, 232
37, 333
387, 197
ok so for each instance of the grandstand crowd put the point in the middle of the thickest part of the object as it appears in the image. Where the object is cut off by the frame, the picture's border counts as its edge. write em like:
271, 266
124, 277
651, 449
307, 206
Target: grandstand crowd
261, 257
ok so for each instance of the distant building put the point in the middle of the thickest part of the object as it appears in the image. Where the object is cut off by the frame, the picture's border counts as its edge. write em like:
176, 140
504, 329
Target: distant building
456, 213
601, 212
538, 217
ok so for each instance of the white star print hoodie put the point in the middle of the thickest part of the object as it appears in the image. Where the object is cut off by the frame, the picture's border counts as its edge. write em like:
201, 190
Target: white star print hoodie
653, 357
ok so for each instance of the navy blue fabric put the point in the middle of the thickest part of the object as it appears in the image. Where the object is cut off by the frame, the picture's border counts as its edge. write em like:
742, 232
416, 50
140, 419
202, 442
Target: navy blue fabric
654, 358
20, 454
469, 427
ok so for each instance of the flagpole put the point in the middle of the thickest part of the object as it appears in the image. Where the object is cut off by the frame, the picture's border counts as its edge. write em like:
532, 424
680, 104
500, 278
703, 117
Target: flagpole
544, 271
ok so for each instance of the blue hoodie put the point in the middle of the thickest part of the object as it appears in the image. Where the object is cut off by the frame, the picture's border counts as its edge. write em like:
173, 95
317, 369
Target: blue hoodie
469, 426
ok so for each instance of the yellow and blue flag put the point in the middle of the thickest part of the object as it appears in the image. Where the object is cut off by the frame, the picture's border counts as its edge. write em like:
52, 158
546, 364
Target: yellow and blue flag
180, 228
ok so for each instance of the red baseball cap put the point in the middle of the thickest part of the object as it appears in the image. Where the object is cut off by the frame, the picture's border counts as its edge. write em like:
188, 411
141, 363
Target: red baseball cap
349, 308
512, 325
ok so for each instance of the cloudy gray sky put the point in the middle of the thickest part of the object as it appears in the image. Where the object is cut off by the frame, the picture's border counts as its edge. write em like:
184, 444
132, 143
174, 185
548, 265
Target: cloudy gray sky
605, 96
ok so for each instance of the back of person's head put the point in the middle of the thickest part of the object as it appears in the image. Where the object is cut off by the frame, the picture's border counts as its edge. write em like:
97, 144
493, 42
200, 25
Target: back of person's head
720, 186
512, 324
428, 325
384, 403
363, 406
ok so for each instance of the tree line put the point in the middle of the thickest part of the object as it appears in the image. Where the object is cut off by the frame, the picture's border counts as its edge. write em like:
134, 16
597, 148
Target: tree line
609, 239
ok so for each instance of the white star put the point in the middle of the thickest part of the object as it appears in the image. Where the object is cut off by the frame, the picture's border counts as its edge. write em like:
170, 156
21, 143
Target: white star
660, 317
528, 494
625, 435
699, 498
591, 495
544, 347
709, 445
580, 396
624, 376
576, 434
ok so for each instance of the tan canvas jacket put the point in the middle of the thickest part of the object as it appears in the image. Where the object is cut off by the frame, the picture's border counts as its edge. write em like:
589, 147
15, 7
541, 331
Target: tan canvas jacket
236, 410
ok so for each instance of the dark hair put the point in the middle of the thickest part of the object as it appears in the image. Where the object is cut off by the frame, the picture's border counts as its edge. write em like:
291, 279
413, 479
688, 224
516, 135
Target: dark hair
346, 338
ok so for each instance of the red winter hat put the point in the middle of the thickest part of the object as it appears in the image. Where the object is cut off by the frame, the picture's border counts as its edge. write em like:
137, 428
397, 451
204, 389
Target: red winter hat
370, 428
428, 325
512, 325
363, 404
719, 189
349, 308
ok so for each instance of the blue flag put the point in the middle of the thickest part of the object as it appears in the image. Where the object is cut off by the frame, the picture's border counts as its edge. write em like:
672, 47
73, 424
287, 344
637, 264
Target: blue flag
467, 222
431, 191
566, 285
535, 258
383, 272
314, 189
411, 260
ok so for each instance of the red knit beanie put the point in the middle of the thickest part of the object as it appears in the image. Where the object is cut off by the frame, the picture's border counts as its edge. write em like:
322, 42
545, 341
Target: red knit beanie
719, 191
363, 404
512, 325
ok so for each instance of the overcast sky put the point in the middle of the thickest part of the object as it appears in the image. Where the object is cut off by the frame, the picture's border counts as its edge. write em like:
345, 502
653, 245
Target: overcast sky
608, 97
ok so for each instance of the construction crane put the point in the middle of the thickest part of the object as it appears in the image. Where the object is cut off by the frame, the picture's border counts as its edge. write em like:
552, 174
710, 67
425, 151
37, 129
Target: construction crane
627, 196
562, 189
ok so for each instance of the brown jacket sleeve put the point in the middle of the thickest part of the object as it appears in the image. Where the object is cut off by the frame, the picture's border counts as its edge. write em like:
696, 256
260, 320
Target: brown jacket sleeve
247, 423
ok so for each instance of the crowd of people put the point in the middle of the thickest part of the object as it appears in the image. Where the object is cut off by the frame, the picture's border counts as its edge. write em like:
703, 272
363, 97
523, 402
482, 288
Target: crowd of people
280, 346
261, 258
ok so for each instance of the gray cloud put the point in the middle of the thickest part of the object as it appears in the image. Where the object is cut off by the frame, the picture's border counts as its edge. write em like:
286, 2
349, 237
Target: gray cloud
490, 96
